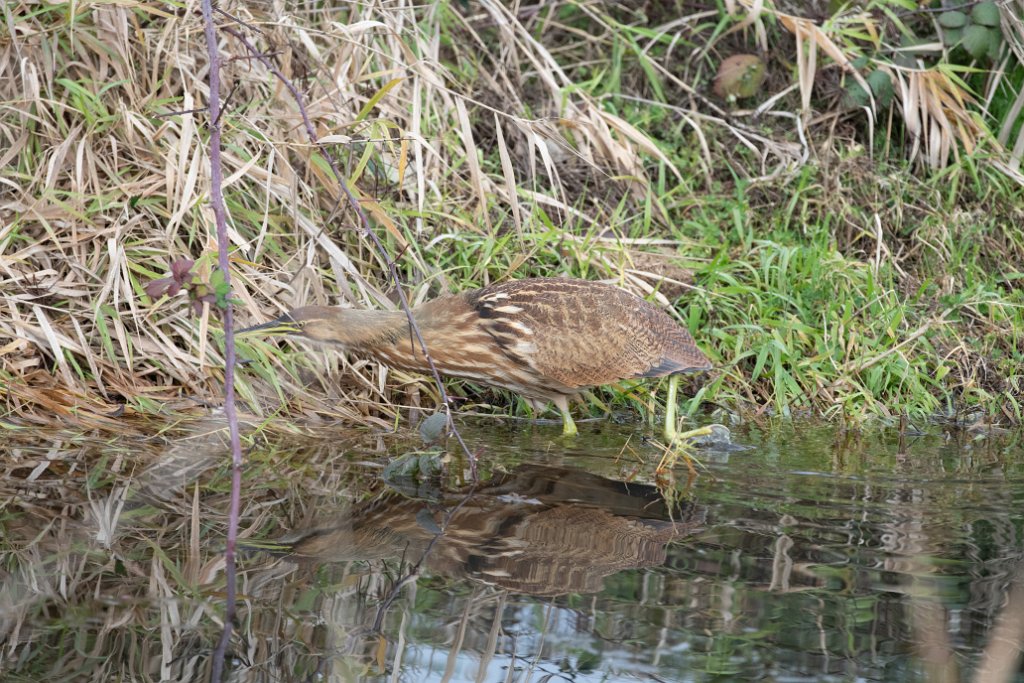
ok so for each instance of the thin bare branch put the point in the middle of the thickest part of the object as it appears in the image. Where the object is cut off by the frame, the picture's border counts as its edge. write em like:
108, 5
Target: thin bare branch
223, 245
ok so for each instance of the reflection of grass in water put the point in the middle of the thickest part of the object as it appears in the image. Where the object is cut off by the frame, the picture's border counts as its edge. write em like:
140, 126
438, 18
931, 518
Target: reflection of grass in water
82, 606
102, 574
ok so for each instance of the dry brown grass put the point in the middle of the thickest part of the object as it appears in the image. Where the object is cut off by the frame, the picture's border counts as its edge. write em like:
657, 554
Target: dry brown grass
106, 182
456, 127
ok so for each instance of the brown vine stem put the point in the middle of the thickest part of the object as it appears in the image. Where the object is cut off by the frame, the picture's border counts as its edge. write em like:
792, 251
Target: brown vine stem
368, 232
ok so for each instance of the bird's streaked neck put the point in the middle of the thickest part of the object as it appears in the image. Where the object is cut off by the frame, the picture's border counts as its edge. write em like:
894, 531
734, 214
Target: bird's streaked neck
355, 329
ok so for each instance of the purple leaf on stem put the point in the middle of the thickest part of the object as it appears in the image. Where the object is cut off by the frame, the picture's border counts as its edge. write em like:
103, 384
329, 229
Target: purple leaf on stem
181, 275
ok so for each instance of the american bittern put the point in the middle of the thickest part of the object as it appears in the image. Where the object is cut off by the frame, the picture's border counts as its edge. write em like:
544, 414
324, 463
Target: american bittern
546, 339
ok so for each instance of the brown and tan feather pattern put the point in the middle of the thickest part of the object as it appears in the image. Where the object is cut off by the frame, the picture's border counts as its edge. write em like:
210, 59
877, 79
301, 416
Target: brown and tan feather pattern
544, 338
575, 334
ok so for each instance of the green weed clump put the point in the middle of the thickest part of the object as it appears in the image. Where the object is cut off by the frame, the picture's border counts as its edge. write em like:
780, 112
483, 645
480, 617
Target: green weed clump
825, 264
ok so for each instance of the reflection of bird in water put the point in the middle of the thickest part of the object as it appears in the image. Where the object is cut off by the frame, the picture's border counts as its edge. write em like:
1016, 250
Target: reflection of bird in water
544, 338
538, 530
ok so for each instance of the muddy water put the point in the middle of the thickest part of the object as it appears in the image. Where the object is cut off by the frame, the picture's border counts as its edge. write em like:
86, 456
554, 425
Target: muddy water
808, 555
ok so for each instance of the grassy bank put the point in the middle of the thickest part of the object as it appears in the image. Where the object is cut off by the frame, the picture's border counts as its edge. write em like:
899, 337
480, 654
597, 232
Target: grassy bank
821, 270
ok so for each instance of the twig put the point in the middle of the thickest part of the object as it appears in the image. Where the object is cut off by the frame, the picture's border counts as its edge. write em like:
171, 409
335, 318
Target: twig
235, 19
217, 200
227, 101
181, 113
414, 571
367, 231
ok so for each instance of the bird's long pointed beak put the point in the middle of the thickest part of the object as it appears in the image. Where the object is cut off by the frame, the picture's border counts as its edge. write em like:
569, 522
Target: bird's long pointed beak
278, 326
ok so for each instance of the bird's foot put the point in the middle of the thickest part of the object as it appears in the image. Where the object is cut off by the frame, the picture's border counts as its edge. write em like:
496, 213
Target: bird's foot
678, 444
673, 437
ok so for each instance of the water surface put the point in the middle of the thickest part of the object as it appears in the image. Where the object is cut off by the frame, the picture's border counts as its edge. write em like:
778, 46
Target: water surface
811, 555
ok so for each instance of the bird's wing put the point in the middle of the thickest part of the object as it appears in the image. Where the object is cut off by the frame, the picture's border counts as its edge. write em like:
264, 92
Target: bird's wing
572, 334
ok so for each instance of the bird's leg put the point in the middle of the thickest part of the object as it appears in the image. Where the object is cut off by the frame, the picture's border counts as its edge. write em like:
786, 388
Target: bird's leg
671, 435
568, 426
536, 407
670, 408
